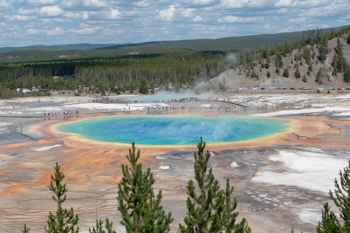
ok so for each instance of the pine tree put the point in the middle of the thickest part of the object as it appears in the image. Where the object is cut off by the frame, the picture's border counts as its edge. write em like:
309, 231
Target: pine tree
102, 227
329, 222
307, 55
297, 73
348, 39
63, 220
230, 214
323, 51
26, 229
339, 61
139, 206
341, 198
347, 73
209, 208
278, 61
143, 87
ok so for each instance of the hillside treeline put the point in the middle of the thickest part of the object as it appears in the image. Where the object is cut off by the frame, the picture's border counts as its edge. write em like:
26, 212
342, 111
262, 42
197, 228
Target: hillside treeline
131, 74
317, 58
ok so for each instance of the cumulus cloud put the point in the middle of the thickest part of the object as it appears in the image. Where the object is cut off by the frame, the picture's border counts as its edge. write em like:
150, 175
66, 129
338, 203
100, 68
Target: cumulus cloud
85, 4
168, 14
22, 17
86, 29
247, 3
98, 21
198, 18
237, 19
50, 11
285, 3
112, 14
142, 3
203, 2
57, 31
41, 2
173, 11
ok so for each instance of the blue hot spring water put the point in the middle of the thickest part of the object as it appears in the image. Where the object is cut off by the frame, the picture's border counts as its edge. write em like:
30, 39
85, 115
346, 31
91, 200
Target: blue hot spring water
168, 130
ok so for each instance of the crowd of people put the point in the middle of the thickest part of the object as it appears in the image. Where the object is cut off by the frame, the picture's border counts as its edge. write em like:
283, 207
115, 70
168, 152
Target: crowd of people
61, 115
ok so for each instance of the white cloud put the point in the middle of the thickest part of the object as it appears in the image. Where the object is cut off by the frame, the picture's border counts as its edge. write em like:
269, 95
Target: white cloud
91, 4
187, 12
84, 15
86, 30
32, 31
197, 19
168, 14
22, 17
57, 31
27, 12
172, 12
234, 3
50, 11
246, 3
237, 19
327, 10
41, 2
142, 3
285, 3
112, 14
105, 14
203, 2
153, 20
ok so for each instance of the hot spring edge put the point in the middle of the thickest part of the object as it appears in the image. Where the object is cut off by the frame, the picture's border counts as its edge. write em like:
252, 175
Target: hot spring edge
173, 130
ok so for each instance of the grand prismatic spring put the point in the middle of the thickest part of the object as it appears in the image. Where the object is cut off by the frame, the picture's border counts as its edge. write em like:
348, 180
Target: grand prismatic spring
269, 156
168, 130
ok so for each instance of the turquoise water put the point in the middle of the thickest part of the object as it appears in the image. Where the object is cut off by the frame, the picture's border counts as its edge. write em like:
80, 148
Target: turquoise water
165, 130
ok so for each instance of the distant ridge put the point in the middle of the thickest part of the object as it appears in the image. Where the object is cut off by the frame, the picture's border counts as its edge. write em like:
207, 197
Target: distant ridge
82, 46
87, 50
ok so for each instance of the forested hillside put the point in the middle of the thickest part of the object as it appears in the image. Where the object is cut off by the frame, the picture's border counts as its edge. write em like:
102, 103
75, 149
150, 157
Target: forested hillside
317, 58
320, 61
82, 51
129, 74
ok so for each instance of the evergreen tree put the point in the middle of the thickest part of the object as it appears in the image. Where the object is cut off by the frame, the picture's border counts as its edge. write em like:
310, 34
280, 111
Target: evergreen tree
323, 51
339, 61
63, 220
341, 198
329, 222
297, 73
348, 39
139, 206
209, 208
307, 55
347, 73
264, 53
143, 88
102, 227
278, 61
26, 229
230, 214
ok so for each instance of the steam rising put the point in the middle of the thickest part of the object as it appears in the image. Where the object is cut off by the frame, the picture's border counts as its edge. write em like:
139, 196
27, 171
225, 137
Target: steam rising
232, 59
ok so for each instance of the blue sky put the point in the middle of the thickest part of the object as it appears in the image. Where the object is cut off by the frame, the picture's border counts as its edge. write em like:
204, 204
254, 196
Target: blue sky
27, 22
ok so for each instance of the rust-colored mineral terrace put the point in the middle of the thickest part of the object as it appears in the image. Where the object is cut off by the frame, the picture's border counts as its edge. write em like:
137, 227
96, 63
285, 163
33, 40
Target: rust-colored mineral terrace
93, 170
